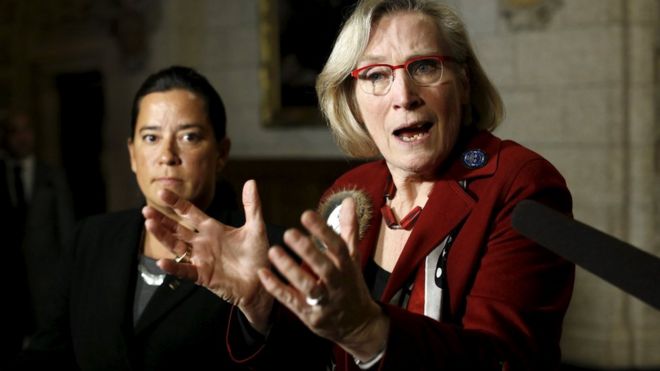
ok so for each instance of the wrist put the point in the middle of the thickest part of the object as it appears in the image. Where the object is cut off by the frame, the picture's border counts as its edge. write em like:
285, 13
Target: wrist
370, 340
259, 313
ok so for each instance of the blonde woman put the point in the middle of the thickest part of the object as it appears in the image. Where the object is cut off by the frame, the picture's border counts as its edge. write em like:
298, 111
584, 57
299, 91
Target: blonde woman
429, 275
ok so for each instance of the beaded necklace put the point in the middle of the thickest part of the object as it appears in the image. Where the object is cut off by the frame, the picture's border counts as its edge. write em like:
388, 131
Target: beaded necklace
408, 221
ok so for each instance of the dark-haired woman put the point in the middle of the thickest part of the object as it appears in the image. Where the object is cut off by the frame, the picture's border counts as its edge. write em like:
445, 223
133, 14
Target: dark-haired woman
119, 310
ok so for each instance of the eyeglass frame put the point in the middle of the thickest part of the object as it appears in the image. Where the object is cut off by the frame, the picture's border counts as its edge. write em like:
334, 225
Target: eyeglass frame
442, 58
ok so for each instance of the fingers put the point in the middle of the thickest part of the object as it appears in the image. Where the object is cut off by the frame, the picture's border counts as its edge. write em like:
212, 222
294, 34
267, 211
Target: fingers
173, 236
252, 203
185, 213
340, 249
291, 270
163, 231
282, 292
320, 263
159, 219
319, 229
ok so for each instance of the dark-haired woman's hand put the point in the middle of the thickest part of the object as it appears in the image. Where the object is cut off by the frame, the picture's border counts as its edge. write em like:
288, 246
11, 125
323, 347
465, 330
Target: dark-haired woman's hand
222, 258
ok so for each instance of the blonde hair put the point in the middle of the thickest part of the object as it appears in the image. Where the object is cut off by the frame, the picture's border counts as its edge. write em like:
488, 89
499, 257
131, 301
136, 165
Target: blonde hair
336, 89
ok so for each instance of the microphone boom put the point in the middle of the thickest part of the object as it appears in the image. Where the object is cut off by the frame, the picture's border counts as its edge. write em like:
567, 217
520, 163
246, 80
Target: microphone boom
631, 269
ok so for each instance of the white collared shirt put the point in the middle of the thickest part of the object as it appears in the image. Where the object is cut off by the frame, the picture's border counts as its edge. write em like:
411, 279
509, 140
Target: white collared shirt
27, 177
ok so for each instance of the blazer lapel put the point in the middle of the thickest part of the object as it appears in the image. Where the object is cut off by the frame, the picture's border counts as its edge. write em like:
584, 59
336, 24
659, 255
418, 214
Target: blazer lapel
447, 206
117, 275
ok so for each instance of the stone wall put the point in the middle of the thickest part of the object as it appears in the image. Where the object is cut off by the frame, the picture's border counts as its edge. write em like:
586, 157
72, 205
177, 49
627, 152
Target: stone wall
580, 86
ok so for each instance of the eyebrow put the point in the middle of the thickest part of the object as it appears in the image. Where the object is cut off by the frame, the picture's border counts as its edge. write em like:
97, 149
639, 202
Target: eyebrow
378, 59
178, 128
370, 59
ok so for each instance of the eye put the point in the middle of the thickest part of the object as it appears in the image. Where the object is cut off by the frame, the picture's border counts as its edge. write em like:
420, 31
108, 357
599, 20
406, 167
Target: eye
424, 67
191, 137
376, 74
149, 138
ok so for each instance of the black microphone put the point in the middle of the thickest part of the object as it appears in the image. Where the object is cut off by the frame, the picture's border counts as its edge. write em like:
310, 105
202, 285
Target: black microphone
633, 270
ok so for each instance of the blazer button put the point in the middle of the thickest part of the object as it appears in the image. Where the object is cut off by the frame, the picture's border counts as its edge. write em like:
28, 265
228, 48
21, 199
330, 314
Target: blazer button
174, 284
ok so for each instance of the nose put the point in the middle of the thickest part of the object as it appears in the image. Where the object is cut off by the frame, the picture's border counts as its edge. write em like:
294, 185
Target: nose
169, 153
404, 91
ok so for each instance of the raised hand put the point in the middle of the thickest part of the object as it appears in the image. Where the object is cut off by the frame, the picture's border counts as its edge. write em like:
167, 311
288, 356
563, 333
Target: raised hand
222, 258
330, 297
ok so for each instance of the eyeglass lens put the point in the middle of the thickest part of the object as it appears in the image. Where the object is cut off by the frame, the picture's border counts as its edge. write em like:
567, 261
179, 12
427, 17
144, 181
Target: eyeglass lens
378, 79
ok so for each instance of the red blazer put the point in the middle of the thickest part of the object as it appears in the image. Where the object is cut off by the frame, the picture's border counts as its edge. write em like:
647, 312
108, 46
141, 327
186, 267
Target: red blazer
507, 295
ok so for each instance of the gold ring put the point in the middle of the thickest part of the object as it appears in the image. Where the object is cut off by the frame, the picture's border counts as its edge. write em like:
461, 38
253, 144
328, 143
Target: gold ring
178, 259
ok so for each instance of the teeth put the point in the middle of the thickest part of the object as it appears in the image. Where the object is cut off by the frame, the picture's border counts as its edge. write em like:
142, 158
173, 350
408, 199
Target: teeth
411, 138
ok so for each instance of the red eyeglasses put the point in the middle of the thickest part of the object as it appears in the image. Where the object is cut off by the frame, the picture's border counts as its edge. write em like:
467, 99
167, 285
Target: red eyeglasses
377, 79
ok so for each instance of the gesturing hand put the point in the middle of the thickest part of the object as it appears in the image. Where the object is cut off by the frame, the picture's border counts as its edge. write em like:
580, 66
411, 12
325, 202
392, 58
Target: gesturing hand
343, 310
222, 258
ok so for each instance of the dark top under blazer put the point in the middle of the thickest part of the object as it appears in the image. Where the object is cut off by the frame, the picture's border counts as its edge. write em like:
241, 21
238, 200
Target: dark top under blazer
183, 326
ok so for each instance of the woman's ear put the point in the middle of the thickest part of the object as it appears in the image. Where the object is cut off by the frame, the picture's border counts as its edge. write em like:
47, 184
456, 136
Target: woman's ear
131, 153
224, 145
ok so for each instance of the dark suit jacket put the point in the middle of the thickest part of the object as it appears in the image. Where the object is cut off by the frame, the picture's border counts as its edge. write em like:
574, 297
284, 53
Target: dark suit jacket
182, 327
507, 295
15, 297
49, 227
32, 245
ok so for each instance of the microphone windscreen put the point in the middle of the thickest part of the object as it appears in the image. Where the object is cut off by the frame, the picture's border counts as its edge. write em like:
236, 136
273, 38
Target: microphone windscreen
330, 209
623, 265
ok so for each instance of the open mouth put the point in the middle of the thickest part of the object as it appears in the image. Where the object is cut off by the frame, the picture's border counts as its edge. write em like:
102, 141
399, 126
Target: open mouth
414, 132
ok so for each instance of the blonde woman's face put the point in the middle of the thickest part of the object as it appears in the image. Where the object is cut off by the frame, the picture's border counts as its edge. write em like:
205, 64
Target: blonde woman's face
174, 147
414, 127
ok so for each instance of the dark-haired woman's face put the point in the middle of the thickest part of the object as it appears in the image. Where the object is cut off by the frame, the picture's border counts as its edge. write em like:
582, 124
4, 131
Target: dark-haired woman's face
174, 147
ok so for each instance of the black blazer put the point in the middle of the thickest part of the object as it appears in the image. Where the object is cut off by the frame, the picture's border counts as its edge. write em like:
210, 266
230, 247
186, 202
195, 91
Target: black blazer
183, 326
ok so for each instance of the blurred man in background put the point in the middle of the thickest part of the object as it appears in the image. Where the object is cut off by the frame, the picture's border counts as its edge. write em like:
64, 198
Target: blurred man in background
37, 219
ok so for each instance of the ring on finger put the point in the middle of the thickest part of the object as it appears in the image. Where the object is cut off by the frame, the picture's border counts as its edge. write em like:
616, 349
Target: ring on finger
317, 295
186, 255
